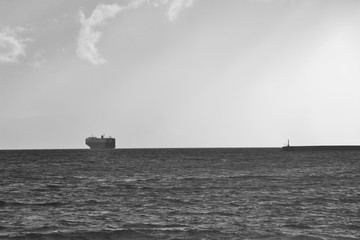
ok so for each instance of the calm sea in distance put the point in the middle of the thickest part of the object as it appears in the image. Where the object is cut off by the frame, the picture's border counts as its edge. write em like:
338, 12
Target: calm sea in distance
179, 194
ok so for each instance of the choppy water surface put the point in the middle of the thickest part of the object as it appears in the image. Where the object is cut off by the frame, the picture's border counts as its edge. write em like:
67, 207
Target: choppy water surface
179, 194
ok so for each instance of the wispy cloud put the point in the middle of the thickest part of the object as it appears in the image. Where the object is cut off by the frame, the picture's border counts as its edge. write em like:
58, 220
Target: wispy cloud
176, 6
11, 45
39, 60
89, 36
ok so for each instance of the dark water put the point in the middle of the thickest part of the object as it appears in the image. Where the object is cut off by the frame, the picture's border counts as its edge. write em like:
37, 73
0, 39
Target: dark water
179, 194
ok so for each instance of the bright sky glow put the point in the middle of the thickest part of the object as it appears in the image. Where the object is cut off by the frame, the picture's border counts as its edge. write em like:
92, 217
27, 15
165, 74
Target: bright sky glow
179, 73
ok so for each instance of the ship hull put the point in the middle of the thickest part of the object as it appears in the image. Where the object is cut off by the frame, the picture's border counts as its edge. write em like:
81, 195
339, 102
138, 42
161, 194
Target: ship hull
322, 148
100, 143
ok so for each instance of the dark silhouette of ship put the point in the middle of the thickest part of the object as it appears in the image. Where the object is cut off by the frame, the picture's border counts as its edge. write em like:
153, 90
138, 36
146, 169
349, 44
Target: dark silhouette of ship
321, 148
100, 143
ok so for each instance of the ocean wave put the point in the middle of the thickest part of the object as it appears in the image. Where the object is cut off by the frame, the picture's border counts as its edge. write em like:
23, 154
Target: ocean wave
138, 231
148, 232
297, 226
291, 237
304, 237
353, 227
216, 177
53, 186
99, 235
127, 180
152, 226
178, 200
44, 204
350, 199
93, 202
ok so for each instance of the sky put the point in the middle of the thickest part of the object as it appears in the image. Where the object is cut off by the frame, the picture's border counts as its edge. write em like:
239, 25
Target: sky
179, 73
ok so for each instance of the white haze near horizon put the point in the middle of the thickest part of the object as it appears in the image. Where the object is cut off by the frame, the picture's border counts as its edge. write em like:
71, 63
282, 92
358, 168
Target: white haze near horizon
179, 73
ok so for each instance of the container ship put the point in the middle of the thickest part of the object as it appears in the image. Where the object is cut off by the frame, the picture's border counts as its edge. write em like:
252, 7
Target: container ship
100, 143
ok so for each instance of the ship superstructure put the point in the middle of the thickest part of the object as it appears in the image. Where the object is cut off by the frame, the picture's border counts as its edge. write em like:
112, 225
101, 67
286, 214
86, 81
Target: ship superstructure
100, 143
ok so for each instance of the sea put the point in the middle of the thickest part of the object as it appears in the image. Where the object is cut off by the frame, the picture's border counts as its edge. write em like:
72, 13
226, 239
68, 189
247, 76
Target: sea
175, 194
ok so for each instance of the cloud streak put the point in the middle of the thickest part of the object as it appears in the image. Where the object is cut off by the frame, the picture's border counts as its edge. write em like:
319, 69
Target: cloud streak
11, 46
176, 6
89, 36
